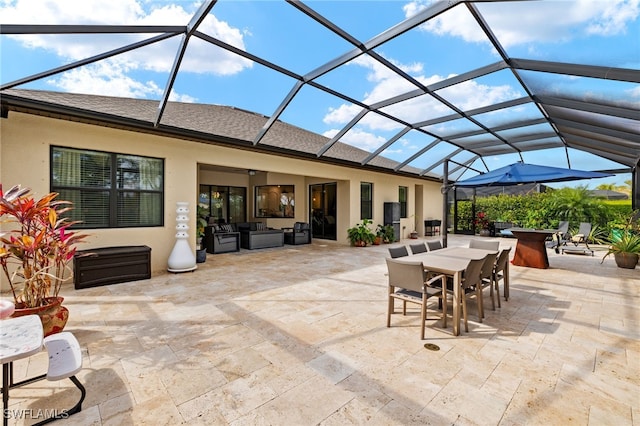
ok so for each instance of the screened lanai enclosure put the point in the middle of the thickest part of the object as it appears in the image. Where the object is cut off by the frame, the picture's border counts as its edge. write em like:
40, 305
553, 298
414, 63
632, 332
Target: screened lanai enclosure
443, 90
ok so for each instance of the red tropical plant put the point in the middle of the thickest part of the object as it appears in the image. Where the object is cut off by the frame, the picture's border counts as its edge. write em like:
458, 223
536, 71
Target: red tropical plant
36, 251
482, 220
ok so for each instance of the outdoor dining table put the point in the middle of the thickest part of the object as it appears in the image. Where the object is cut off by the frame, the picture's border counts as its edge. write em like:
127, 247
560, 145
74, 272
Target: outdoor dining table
448, 265
531, 250
20, 338
474, 253
465, 252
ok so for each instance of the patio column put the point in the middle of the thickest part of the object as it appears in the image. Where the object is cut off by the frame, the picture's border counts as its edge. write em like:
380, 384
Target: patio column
445, 203
635, 187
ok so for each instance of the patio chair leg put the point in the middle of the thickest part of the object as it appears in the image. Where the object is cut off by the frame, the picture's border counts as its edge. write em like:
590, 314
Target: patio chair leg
464, 312
73, 410
493, 300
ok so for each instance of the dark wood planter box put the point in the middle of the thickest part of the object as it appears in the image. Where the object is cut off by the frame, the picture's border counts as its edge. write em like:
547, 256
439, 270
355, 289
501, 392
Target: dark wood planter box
111, 265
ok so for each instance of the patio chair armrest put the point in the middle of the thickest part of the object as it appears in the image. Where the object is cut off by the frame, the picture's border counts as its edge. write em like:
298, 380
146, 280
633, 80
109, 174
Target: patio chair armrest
434, 279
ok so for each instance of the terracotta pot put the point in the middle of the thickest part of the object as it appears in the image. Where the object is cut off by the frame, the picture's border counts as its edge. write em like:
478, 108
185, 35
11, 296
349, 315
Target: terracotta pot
53, 315
626, 260
360, 243
377, 241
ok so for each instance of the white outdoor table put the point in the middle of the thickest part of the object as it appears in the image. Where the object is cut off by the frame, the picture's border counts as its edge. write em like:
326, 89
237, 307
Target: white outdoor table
20, 338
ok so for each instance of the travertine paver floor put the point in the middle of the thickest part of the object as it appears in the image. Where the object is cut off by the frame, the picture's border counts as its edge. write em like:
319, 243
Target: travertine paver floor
297, 336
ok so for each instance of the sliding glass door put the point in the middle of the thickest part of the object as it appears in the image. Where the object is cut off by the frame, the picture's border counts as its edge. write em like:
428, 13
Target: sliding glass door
324, 208
222, 204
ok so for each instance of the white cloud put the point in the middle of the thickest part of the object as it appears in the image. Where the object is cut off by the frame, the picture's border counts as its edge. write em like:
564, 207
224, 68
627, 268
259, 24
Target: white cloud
110, 78
363, 139
400, 146
467, 95
330, 133
387, 82
359, 138
341, 115
201, 57
634, 92
614, 17
471, 94
176, 97
456, 21
517, 23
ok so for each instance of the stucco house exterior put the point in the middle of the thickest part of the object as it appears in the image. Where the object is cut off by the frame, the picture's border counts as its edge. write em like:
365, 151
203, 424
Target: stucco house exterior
195, 146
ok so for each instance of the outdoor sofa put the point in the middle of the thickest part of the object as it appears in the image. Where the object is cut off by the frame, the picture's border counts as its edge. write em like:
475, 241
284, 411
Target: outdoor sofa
255, 235
221, 239
300, 233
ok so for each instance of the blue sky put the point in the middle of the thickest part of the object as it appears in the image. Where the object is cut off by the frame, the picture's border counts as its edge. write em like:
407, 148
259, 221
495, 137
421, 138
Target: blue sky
596, 32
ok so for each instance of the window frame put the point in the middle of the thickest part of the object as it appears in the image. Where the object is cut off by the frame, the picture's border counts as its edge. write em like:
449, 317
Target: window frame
402, 199
112, 190
263, 207
366, 204
226, 190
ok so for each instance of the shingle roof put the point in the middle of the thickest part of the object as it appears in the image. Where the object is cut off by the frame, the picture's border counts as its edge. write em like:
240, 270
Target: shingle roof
228, 124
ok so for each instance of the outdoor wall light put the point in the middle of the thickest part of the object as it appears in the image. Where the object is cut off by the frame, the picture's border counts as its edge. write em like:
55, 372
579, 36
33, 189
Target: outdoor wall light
252, 172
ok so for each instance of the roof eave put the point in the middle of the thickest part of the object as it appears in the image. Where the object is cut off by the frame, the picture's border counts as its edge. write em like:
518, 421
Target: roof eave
36, 107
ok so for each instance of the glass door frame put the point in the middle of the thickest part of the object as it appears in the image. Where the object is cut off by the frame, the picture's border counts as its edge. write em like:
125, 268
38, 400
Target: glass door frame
225, 191
322, 215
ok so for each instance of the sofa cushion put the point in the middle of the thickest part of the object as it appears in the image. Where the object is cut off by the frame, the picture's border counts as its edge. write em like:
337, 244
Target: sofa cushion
242, 226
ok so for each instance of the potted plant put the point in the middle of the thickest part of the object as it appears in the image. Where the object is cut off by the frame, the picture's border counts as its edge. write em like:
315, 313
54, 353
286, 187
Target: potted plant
361, 235
201, 251
35, 253
483, 222
379, 235
201, 223
625, 246
386, 233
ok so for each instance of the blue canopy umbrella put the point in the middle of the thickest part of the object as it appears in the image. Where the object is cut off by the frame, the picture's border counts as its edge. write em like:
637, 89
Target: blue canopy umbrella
518, 173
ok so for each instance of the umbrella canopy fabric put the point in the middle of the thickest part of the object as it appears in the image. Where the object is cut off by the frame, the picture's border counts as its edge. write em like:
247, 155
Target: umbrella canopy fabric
518, 173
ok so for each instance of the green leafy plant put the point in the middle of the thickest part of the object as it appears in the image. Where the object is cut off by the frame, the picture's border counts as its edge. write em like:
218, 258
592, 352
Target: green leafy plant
628, 243
625, 243
386, 232
201, 222
36, 252
201, 225
361, 234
